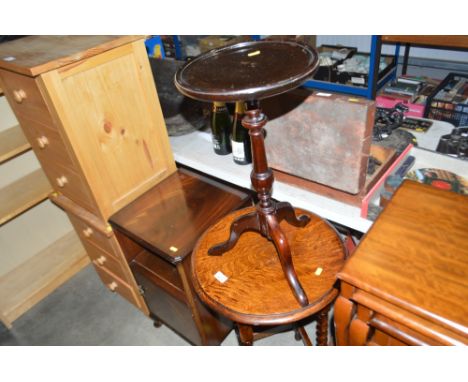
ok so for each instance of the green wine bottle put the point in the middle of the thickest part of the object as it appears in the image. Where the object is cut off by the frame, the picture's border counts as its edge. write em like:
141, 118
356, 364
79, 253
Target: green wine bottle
240, 140
221, 128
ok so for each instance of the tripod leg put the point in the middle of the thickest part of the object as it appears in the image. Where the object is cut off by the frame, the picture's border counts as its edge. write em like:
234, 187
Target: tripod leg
238, 226
284, 211
284, 253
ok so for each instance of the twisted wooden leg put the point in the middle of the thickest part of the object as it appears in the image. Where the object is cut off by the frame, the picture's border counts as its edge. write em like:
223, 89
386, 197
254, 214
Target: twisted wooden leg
322, 327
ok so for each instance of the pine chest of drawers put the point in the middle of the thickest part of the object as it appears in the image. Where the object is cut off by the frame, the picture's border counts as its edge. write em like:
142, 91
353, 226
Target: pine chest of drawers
89, 108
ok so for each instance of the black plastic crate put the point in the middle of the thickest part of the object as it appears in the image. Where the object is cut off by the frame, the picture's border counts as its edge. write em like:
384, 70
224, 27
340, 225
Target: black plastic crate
454, 111
362, 79
330, 73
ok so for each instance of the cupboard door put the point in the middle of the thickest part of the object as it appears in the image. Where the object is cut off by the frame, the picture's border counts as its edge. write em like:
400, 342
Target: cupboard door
109, 110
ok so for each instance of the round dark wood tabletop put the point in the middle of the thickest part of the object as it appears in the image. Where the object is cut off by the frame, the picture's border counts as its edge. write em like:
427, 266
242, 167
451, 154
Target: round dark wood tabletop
247, 283
247, 71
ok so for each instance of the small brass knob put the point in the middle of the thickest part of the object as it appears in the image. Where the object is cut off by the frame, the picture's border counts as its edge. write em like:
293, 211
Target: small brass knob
113, 286
19, 95
42, 141
62, 181
88, 231
101, 260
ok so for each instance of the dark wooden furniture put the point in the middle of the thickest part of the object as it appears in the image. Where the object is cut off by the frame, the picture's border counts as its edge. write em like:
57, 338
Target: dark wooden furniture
250, 71
247, 284
158, 232
407, 281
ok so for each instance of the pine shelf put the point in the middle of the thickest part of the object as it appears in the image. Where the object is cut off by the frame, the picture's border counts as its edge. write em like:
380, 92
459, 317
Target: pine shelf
23, 194
12, 143
29, 283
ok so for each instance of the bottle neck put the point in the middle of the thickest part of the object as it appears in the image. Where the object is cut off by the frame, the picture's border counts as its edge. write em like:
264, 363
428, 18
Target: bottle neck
240, 107
218, 105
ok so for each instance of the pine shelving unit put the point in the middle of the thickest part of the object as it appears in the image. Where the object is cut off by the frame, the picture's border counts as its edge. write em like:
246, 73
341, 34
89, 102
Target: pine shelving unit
28, 276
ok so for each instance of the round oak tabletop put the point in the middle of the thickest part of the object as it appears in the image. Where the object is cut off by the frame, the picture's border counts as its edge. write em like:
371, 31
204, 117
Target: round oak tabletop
247, 283
247, 71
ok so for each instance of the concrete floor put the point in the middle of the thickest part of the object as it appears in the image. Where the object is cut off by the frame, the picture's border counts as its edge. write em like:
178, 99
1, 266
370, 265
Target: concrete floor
83, 312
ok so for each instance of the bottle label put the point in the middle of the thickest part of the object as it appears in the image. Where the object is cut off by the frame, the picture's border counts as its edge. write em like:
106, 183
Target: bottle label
238, 150
216, 143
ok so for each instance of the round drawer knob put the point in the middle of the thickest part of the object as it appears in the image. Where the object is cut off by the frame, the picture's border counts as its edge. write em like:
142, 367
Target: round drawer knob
88, 231
101, 260
19, 95
42, 142
62, 181
113, 286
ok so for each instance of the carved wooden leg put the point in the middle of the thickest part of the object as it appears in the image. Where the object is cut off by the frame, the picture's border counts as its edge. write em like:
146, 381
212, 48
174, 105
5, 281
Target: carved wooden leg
238, 226
284, 211
245, 334
284, 253
322, 327
358, 332
344, 310
359, 329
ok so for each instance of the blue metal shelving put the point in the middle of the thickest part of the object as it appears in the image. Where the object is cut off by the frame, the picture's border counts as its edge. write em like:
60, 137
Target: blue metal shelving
373, 84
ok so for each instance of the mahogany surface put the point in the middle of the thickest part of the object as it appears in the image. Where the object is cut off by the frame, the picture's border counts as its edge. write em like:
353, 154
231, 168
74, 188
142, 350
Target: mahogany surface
411, 268
158, 232
169, 218
247, 71
256, 291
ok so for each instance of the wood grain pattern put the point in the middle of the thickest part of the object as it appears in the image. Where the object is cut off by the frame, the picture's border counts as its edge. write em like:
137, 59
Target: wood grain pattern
33, 104
322, 139
34, 55
29, 283
12, 143
415, 258
109, 110
454, 41
256, 291
176, 212
23, 194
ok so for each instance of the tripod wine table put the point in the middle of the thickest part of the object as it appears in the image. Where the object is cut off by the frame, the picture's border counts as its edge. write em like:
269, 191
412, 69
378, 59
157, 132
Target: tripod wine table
249, 72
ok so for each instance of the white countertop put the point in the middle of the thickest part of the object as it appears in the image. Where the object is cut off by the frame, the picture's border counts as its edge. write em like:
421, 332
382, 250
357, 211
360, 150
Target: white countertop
195, 150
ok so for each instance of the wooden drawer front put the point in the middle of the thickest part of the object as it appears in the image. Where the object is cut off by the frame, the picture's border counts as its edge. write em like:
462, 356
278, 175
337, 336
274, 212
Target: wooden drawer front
25, 97
173, 312
66, 181
91, 235
162, 273
117, 285
107, 262
46, 142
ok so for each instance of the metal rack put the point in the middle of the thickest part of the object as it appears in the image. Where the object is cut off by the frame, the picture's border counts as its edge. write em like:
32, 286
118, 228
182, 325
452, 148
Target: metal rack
373, 84
368, 92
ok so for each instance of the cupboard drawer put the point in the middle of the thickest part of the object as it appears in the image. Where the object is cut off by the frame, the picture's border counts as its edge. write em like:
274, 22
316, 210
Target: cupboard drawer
107, 262
114, 284
66, 181
161, 273
46, 142
91, 235
174, 313
25, 97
